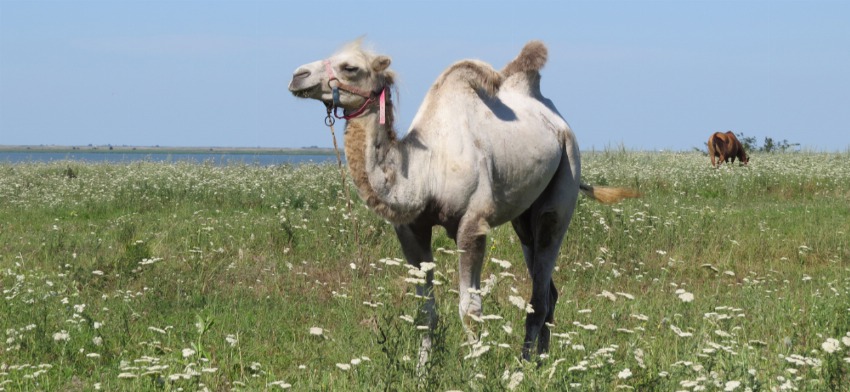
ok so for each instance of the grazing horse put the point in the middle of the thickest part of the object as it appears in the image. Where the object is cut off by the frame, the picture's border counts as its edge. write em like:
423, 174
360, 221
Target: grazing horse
725, 146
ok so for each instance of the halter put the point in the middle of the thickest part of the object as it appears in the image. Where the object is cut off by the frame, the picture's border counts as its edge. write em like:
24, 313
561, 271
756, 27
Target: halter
336, 104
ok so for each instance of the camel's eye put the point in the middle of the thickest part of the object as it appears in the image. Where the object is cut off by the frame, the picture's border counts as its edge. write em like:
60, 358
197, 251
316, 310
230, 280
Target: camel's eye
350, 68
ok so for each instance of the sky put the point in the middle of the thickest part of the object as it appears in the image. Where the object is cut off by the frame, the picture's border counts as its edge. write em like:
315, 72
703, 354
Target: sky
643, 75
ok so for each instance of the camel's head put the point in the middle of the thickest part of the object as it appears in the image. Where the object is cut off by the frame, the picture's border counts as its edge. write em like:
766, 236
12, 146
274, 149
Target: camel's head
357, 73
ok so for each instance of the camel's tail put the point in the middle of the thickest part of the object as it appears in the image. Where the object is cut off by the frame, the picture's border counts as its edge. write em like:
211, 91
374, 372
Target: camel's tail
608, 194
532, 58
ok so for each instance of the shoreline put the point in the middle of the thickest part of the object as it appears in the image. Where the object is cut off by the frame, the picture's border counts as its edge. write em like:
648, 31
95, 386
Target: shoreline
166, 150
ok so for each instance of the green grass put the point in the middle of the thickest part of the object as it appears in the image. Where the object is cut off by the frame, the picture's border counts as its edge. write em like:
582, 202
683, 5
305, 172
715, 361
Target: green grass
180, 276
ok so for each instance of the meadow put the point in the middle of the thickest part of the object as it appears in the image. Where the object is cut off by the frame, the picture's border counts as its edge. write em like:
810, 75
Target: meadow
151, 276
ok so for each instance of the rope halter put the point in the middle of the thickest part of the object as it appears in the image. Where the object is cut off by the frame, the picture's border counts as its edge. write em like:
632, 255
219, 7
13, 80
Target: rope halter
335, 84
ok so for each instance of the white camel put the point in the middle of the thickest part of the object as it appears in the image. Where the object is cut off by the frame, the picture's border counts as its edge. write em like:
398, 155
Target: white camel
484, 148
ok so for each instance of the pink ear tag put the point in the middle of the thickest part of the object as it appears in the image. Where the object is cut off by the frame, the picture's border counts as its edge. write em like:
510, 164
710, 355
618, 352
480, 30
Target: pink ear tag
382, 106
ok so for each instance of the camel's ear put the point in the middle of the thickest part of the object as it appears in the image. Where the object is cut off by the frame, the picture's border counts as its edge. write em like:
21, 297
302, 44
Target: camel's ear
380, 63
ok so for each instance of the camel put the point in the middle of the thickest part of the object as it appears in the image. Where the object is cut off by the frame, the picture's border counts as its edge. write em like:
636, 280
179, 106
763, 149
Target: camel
725, 146
485, 148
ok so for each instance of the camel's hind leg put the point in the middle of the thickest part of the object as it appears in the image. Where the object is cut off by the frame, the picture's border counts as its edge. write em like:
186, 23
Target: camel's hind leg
541, 230
415, 242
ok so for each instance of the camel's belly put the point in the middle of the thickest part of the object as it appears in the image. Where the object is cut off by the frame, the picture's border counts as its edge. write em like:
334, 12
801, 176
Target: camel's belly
516, 185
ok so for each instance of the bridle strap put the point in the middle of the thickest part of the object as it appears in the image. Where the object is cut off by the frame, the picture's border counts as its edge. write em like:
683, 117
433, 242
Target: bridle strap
342, 86
370, 96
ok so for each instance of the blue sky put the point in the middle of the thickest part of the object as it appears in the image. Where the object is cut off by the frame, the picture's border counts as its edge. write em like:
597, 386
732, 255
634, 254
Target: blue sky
642, 74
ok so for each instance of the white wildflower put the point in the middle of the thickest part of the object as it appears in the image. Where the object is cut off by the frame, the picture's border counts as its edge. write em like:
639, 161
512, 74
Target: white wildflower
157, 330
344, 366
502, 263
732, 385
582, 366
684, 295
281, 384
831, 345
516, 378
640, 317
624, 374
625, 295
477, 352
316, 331
520, 303
62, 335
188, 352
679, 332
588, 327
608, 294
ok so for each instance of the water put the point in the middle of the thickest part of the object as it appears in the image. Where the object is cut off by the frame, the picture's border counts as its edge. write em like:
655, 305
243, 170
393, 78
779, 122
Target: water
126, 157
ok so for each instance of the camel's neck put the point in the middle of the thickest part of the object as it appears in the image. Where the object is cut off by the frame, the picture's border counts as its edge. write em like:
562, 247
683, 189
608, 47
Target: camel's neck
379, 167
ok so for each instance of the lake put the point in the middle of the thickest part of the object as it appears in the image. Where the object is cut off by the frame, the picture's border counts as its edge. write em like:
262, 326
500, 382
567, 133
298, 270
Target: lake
223, 158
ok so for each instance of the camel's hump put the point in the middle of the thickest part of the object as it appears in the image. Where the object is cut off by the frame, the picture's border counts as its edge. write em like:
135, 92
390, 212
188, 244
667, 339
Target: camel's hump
532, 58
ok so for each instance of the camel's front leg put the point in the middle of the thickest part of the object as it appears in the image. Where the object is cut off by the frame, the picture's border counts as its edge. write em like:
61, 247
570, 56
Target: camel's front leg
472, 242
416, 245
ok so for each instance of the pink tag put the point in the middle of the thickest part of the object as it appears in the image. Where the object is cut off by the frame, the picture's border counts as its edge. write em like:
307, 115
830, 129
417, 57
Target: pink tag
382, 106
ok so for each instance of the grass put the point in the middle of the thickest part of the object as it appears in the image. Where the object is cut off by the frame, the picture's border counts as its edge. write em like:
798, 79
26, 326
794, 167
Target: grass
182, 276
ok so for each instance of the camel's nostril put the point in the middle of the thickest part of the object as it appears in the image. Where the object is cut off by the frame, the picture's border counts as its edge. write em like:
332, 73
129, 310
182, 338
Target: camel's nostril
301, 74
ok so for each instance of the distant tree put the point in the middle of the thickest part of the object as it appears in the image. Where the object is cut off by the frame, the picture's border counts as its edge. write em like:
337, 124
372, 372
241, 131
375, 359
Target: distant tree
748, 142
769, 146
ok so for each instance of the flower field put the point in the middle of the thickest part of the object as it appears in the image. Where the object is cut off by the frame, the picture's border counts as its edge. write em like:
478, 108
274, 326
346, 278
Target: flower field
192, 276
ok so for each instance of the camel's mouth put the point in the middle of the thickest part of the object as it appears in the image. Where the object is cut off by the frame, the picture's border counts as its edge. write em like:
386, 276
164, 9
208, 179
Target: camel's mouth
308, 92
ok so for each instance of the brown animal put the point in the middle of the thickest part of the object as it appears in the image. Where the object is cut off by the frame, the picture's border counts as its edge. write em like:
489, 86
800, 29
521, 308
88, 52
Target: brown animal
725, 146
